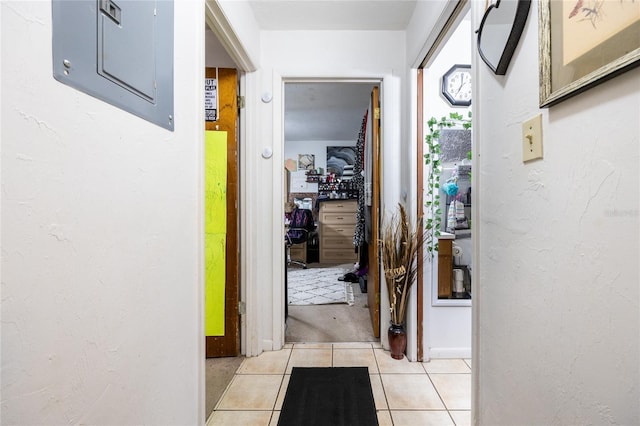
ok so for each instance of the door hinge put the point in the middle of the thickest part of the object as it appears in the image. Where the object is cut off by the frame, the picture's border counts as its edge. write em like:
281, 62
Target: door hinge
240, 102
242, 308
376, 113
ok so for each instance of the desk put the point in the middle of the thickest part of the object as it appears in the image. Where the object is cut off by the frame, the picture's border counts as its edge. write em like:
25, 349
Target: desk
299, 252
445, 265
306, 252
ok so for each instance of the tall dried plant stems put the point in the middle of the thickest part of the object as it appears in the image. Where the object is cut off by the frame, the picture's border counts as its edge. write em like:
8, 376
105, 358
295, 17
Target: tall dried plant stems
399, 244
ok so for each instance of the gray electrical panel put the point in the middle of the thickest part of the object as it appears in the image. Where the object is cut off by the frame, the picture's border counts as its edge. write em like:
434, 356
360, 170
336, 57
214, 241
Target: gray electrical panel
119, 51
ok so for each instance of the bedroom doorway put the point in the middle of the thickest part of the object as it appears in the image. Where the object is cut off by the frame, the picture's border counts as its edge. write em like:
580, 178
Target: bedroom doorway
326, 127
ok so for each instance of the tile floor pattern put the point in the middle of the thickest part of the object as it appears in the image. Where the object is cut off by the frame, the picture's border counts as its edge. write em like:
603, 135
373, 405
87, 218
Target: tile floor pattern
405, 393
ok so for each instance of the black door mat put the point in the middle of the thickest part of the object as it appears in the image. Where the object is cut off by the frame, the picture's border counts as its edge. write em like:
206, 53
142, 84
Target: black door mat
339, 396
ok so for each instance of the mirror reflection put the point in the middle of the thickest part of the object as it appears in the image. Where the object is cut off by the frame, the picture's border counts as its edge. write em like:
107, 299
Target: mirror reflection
499, 32
455, 222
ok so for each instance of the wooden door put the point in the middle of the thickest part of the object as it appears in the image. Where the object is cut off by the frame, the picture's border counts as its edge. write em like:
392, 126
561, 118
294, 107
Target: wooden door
420, 213
229, 344
373, 274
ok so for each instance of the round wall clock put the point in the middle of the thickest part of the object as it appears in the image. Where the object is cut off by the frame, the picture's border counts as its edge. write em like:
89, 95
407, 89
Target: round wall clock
456, 85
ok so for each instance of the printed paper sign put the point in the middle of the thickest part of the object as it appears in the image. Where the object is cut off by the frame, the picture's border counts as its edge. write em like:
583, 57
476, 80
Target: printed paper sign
211, 99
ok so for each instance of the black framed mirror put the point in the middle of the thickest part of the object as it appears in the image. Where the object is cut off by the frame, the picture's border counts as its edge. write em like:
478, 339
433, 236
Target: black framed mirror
500, 31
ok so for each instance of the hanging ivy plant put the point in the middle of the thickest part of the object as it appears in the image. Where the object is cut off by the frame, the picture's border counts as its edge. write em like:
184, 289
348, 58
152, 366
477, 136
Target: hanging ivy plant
432, 159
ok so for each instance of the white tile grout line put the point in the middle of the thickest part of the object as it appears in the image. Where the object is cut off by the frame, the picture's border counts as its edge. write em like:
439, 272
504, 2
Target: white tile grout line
384, 392
281, 383
439, 396
233, 379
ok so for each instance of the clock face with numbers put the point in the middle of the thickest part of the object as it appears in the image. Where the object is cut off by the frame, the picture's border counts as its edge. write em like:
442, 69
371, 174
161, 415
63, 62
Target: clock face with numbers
456, 85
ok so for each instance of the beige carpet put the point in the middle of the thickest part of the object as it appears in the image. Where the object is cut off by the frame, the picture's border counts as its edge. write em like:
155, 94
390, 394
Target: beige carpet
219, 372
331, 323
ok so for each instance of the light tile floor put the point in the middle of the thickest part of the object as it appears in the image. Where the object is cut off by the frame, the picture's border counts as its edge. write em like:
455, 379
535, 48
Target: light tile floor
405, 393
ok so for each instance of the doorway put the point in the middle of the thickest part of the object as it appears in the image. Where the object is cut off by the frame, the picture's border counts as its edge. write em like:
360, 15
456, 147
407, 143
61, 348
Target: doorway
328, 127
445, 160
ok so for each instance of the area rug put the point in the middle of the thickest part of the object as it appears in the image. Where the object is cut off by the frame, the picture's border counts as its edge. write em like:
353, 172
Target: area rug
318, 286
329, 396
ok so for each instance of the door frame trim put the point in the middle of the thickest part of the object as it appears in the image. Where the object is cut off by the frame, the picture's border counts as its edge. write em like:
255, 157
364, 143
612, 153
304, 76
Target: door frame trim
279, 81
217, 22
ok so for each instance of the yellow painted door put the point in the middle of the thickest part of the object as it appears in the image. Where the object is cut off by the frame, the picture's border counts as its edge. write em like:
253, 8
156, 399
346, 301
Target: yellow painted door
226, 342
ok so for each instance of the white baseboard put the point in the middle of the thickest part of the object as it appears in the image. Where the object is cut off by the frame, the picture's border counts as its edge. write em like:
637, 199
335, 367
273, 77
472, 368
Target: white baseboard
267, 345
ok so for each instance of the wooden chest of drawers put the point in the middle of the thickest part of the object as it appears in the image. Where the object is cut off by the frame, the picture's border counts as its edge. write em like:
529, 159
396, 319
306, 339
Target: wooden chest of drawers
337, 225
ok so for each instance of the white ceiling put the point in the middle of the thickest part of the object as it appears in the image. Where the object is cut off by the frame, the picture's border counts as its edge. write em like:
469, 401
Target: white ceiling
324, 111
329, 111
284, 15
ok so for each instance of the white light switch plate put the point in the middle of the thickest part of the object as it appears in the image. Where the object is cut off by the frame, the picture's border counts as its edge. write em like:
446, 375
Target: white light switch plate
532, 138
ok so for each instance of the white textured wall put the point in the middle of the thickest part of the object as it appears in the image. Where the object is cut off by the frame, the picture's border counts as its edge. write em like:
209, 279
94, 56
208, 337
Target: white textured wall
559, 294
319, 150
101, 217
420, 33
456, 50
239, 16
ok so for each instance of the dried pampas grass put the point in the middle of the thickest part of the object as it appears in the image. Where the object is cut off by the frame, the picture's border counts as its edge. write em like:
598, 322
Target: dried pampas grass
400, 243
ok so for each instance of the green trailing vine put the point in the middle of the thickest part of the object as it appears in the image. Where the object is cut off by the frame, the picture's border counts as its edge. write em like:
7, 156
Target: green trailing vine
432, 159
